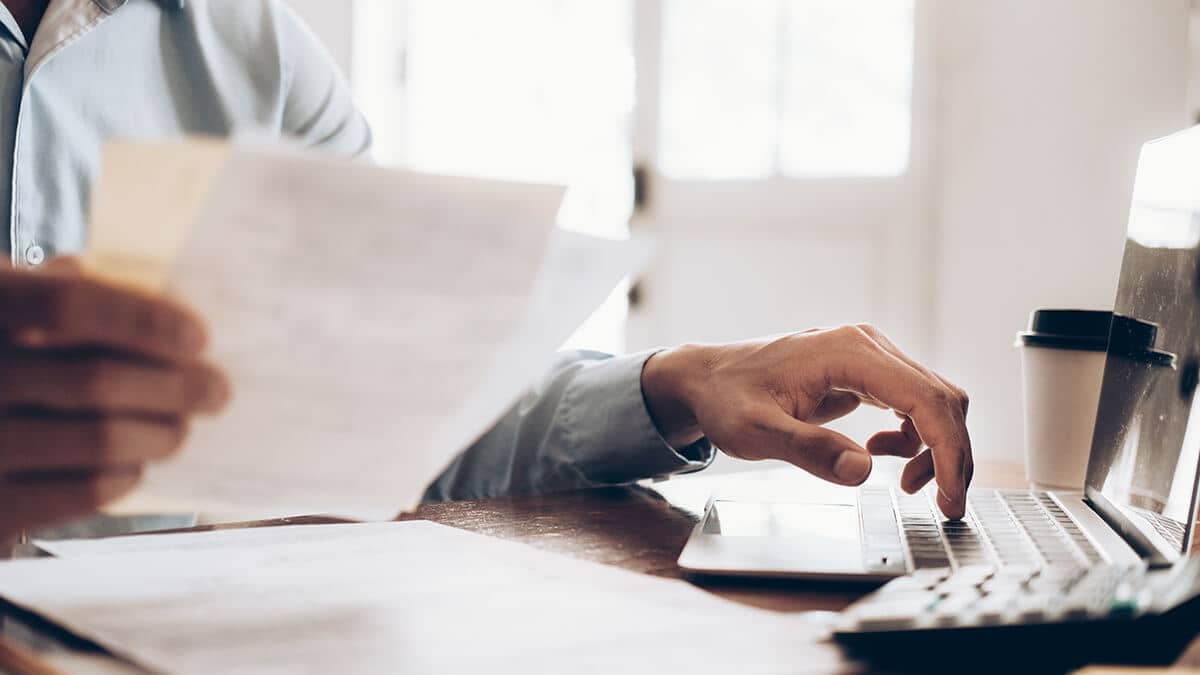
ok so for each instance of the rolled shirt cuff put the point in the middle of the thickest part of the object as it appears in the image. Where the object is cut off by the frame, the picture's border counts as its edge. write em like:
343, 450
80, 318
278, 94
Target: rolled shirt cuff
606, 414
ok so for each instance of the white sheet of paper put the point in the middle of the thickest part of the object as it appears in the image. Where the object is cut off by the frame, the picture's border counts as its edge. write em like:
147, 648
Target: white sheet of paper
374, 322
140, 219
409, 597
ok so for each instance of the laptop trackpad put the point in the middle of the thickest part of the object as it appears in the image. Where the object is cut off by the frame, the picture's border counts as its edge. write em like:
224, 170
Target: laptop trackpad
813, 522
788, 536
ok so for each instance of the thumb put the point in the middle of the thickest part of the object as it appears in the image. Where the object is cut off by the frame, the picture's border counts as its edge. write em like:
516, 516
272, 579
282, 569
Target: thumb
822, 452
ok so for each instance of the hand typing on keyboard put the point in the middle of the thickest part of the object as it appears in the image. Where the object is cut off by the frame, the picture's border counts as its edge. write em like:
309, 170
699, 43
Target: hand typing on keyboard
767, 399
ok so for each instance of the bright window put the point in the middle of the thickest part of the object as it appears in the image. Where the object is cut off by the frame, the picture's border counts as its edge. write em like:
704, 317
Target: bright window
802, 88
526, 90
534, 90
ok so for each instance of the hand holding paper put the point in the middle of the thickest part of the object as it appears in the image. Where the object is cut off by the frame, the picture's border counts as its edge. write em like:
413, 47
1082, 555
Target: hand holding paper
97, 380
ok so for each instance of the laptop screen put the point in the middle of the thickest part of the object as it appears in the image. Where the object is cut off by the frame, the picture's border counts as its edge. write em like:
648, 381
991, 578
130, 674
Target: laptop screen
1143, 467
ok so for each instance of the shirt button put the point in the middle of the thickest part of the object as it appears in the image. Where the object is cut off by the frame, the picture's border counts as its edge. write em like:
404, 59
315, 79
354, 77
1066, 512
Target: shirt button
34, 255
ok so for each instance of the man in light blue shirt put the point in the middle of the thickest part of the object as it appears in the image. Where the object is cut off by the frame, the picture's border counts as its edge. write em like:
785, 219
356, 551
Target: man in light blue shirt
97, 380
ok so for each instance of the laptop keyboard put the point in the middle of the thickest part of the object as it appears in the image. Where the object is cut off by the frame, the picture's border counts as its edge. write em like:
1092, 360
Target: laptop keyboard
1002, 528
1169, 529
1016, 557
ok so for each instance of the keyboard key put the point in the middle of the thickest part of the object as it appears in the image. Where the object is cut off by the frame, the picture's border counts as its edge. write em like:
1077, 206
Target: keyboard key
993, 609
1031, 609
951, 608
970, 576
1076, 612
885, 622
930, 576
888, 610
1002, 587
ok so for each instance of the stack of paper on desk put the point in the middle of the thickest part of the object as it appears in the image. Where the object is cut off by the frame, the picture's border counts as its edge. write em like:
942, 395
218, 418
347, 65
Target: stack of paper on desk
394, 598
374, 322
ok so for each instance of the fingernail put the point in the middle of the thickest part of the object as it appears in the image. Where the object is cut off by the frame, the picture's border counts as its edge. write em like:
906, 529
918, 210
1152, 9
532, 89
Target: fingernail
852, 467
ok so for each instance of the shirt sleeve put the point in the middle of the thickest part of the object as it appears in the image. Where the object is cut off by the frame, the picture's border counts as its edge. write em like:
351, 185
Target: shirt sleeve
319, 109
584, 425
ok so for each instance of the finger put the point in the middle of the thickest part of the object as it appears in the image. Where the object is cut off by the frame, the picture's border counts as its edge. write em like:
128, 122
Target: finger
903, 443
857, 362
886, 342
917, 473
771, 433
78, 310
890, 443
63, 264
952, 485
97, 381
836, 404
30, 502
56, 442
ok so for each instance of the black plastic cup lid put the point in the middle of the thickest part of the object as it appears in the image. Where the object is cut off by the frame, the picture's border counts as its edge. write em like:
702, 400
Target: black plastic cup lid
1078, 329
1091, 330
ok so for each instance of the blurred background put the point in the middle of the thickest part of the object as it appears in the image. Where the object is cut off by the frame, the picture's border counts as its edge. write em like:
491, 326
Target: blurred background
936, 167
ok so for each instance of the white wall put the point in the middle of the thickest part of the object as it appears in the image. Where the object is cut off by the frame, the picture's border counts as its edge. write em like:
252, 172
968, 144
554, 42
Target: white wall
1043, 105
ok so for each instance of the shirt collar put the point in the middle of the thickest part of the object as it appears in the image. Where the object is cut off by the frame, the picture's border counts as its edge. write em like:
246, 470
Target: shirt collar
66, 20
7, 22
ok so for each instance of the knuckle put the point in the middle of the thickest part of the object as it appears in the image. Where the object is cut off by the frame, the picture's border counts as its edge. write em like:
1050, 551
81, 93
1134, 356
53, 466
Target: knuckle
963, 397
937, 399
945, 396
852, 336
867, 328
861, 337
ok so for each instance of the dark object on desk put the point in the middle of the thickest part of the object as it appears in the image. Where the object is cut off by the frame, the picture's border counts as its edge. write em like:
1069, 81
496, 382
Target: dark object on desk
1105, 615
1046, 648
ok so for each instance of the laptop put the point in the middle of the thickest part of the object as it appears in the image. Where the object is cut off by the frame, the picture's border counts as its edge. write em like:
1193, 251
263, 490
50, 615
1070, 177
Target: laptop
1024, 556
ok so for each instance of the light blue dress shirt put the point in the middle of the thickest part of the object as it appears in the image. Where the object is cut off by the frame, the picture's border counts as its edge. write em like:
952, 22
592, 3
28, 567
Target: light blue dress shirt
149, 69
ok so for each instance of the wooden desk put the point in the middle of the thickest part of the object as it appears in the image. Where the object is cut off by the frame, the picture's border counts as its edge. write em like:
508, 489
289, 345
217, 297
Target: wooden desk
643, 528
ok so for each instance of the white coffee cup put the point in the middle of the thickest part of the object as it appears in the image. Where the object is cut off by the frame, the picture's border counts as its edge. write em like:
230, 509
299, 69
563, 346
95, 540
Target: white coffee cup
1062, 366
